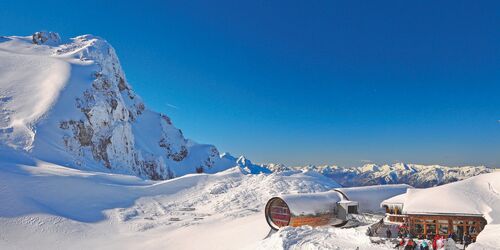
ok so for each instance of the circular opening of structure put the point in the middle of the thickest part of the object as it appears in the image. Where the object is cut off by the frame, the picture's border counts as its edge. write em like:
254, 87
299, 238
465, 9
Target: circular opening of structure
277, 213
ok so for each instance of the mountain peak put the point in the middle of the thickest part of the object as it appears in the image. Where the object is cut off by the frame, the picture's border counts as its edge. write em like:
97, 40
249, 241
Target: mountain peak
70, 104
46, 37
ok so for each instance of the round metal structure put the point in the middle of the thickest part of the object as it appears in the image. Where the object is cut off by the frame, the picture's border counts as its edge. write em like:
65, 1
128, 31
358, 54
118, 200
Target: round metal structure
277, 213
318, 209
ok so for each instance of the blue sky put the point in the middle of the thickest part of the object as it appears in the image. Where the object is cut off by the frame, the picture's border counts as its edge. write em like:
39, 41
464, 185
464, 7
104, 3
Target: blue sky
340, 82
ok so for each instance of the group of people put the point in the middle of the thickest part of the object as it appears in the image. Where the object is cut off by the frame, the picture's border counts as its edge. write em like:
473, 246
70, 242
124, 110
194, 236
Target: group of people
464, 239
437, 243
432, 242
407, 241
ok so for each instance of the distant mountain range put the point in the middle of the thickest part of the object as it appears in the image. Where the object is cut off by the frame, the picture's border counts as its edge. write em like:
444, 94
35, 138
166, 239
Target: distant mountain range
372, 174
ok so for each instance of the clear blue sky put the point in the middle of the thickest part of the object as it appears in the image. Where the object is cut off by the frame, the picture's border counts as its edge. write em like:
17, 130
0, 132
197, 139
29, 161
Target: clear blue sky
298, 82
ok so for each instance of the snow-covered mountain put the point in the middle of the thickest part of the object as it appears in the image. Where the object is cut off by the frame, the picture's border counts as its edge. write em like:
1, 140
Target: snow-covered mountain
412, 174
69, 103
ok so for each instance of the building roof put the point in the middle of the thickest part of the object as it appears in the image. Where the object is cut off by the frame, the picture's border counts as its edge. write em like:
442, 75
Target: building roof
440, 200
395, 200
369, 197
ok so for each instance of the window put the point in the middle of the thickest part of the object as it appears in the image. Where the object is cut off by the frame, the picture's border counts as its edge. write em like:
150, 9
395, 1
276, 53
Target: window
443, 229
431, 228
459, 231
419, 229
352, 209
396, 210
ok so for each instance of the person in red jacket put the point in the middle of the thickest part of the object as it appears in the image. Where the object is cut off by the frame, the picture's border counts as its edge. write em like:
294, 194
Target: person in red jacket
410, 245
434, 241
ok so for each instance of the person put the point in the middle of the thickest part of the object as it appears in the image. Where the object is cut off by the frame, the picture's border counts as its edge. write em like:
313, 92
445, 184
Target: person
450, 244
467, 240
409, 235
410, 245
452, 236
424, 245
440, 243
400, 244
461, 235
388, 233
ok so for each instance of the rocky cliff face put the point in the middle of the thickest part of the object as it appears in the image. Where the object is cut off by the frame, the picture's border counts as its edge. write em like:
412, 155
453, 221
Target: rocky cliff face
110, 109
95, 120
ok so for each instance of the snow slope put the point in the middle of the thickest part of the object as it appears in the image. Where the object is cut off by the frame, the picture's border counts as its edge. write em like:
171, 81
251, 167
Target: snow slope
55, 207
69, 103
23, 104
323, 238
412, 174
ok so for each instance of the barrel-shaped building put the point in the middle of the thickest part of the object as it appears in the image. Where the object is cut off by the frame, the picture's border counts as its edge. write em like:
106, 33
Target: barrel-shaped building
327, 208
315, 209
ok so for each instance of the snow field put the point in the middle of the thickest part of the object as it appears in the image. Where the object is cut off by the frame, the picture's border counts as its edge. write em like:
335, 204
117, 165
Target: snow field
51, 206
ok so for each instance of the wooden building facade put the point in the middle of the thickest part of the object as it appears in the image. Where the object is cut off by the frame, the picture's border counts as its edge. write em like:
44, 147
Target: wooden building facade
446, 224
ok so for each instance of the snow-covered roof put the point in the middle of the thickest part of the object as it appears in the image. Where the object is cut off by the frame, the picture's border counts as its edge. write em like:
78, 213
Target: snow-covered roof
311, 203
370, 197
395, 200
426, 201
440, 201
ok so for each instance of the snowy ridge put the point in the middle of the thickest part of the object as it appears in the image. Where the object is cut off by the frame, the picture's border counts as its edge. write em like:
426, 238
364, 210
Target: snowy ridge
69, 103
399, 173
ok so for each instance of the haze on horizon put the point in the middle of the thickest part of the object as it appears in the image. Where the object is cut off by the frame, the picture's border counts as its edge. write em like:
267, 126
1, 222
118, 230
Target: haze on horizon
327, 82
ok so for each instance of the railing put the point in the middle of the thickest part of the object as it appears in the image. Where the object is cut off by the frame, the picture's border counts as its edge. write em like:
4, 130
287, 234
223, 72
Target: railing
398, 218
